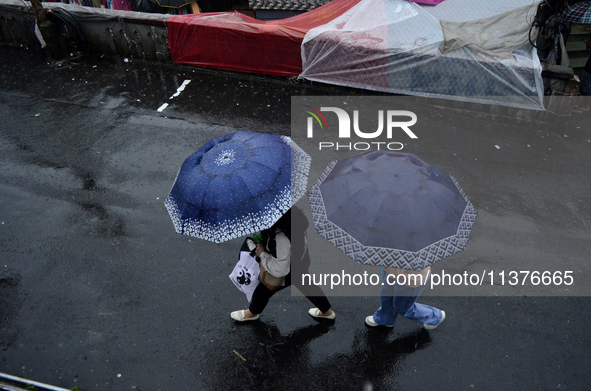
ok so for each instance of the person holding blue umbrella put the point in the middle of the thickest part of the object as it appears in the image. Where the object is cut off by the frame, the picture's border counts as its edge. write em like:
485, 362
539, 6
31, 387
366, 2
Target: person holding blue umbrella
393, 210
239, 184
283, 243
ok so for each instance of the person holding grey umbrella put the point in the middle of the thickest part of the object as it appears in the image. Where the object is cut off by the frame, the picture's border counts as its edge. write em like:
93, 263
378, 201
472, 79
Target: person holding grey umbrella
400, 299
394, 210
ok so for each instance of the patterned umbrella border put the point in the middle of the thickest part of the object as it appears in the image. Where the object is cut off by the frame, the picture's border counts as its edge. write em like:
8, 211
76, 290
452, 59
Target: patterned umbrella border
381, 256
252, 222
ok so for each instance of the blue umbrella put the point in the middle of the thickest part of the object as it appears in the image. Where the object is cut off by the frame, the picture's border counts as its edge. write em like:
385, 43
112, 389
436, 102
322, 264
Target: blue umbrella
391, 209
236, 185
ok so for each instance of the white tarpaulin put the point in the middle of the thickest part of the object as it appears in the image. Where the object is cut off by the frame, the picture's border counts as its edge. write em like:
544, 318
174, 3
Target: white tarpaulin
393, 46
496, 36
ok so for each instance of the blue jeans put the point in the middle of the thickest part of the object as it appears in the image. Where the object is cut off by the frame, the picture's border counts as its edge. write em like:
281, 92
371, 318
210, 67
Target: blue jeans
401, 299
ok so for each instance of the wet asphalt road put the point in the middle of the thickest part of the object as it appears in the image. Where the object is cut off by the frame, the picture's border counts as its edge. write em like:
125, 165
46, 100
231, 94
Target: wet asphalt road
96, 289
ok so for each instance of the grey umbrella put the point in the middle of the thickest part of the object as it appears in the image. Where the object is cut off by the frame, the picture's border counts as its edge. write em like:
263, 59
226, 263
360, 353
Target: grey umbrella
391, 209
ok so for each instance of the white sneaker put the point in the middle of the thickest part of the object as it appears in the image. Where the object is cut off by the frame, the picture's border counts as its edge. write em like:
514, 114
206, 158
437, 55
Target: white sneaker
239, 316
434, 326
315, 312
371, 322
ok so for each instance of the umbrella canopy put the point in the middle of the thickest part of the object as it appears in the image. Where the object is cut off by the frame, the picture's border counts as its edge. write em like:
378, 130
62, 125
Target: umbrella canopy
578, 13
391, 209
236, 185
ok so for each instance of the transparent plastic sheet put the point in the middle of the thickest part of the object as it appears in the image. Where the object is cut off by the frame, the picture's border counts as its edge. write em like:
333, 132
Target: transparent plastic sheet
496, 36
82, 13
393, 46
464, 10
234, 41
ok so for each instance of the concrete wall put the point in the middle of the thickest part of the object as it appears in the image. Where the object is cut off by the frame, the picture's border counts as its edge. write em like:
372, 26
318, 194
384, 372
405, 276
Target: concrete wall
131, 39
122, 33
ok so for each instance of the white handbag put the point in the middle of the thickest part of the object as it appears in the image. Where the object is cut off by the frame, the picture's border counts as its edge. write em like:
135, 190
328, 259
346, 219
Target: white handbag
246, 274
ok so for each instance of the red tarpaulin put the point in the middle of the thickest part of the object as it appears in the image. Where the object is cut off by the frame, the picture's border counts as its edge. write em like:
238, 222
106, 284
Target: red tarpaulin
233, 41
